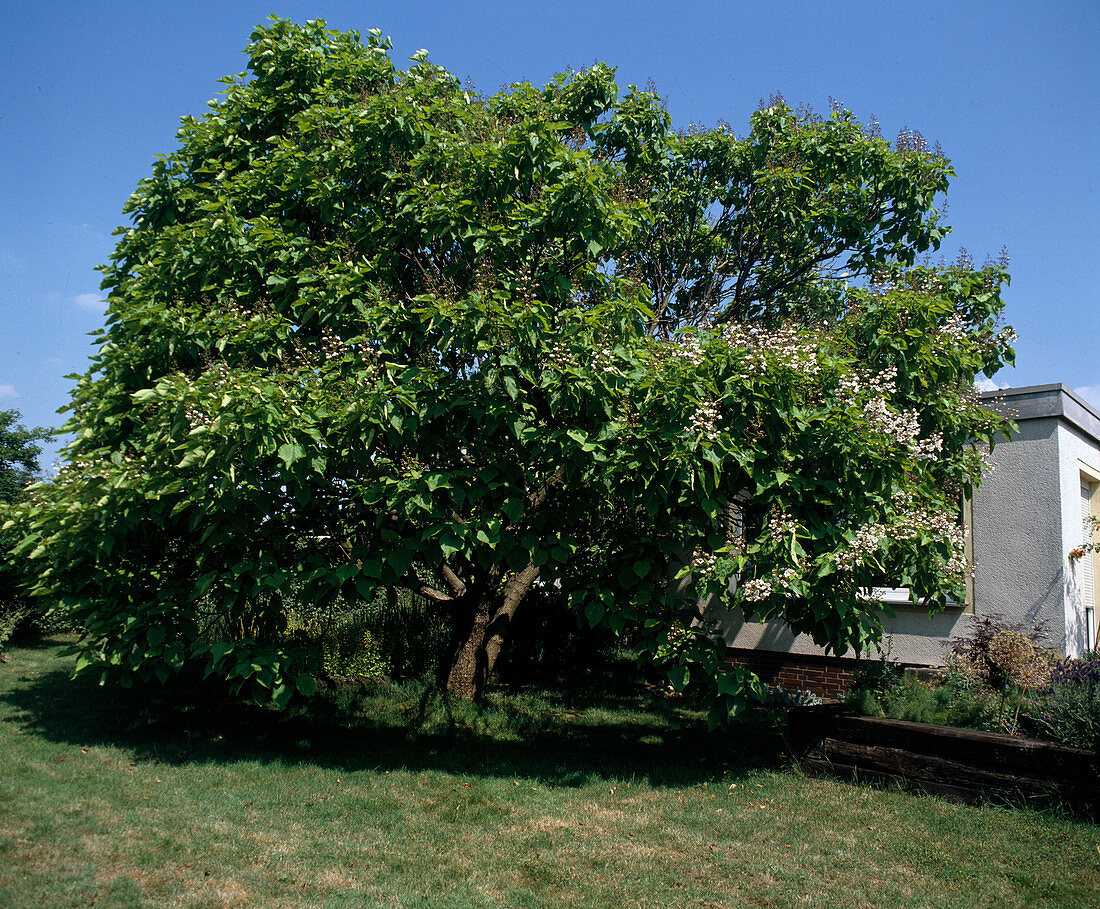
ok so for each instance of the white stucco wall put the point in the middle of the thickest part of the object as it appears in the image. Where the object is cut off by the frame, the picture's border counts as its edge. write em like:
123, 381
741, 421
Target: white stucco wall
1017, 530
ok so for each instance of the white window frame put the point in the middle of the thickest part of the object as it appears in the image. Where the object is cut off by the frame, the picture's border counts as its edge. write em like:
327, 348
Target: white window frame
1090, 477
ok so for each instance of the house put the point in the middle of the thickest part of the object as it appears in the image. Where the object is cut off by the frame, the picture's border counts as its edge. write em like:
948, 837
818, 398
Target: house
1027, 523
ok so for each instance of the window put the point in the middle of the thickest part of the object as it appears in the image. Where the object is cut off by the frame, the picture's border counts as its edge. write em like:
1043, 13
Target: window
899, 596
1087, 568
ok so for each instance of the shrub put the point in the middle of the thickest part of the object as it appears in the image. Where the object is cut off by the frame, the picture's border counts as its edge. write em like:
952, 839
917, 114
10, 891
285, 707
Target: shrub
777, 696
395, 634
998, 678
1006, 659
876, 678
1068, 709
12, 616
1002, 655
948, 700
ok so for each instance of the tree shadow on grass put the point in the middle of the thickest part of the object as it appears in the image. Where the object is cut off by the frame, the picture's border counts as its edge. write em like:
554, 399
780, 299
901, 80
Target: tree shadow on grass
564, 737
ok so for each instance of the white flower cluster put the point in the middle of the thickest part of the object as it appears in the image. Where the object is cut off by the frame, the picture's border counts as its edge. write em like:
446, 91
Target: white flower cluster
332, 346
928, 449
883, 281
954, 328
761, 588
984, 458
957, 566
77, 465
918, 520
704, 422
922, 520
88, 467
929, 284
866, 542
686, 347
604, 360
757, 589
902, 425
784, 344
911, 140
703, 563
781, 525
858, 383
560, 357
196, 417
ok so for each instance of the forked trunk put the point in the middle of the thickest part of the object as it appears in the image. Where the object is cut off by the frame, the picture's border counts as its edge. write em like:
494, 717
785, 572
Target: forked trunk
479, 637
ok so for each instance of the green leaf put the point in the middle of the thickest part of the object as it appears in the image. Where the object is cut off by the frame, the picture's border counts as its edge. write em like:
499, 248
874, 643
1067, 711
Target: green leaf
289, 453
281, 695
679, 676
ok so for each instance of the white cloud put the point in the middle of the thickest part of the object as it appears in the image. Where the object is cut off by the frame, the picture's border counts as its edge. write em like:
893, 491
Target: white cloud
89, 301
1090, 393
8, 391
984, 384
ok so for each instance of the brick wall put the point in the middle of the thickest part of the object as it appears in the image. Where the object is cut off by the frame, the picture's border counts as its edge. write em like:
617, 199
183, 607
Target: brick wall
827, 677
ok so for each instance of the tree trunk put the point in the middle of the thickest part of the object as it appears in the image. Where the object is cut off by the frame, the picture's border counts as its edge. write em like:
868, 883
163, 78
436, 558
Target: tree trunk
479, 636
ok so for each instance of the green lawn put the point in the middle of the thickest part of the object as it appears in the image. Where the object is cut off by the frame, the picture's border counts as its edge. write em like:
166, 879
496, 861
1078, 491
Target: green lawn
108, 798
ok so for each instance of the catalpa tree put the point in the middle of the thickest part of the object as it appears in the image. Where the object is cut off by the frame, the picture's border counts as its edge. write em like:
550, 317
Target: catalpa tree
372, 330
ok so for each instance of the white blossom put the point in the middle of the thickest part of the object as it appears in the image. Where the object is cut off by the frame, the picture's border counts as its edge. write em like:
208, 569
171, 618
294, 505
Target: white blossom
784, 344
704, 422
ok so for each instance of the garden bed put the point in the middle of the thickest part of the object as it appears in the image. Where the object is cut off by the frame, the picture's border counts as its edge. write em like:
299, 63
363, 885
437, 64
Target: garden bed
961, 764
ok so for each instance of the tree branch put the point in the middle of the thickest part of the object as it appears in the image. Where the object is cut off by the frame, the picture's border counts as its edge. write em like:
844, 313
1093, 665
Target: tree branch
457, 585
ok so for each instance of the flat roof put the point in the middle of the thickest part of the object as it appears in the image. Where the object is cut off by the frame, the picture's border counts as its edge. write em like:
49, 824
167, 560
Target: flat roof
1035, 402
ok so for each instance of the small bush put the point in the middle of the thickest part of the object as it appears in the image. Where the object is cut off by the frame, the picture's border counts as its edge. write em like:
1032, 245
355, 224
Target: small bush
998, 678
876, 678
776, 696
1002, 655
12, 617
951, 698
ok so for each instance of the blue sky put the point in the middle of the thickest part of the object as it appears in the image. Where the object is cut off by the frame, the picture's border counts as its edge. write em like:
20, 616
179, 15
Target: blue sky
92, 92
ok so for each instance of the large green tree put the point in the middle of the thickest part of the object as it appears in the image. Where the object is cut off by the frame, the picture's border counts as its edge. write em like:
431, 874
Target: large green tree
372, 329
19, 467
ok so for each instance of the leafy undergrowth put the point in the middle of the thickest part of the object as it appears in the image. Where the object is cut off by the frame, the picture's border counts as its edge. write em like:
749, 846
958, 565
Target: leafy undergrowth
607, 797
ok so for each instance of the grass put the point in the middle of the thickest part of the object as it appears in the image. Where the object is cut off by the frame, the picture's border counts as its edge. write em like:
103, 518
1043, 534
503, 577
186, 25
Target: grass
608, 799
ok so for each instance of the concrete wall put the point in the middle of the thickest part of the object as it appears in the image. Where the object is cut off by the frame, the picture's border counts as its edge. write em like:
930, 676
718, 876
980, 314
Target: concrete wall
1052, 530
1017, 530
911, 636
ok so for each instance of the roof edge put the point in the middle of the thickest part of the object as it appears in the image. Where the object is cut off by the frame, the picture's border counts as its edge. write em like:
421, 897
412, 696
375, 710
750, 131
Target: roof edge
1055, 399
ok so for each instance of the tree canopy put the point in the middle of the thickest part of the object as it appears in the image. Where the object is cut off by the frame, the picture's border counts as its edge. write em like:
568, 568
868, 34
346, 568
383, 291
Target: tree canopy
371, 329
18, 469
18, 455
